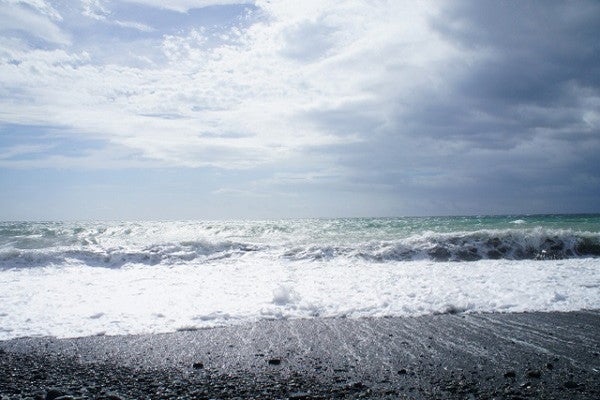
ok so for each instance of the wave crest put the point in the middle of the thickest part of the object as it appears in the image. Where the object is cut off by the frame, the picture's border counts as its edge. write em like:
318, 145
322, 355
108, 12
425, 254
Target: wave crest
169, 253
466, 246
509, 244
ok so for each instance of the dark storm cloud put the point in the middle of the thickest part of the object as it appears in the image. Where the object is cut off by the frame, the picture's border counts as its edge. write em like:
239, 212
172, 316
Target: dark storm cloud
517, 126
538, 53
535, 65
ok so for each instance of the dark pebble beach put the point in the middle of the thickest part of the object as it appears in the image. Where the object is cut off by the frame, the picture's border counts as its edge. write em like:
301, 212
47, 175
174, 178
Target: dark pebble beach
551, 355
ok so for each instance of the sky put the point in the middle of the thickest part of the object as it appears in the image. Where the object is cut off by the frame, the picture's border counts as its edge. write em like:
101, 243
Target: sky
228, 109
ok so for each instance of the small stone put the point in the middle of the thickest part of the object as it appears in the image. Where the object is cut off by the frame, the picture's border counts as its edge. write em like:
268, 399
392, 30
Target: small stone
53, 394
510, 374
359, 385
198, 365
274, 361
534, 373
571, 385
549, 366
402, 371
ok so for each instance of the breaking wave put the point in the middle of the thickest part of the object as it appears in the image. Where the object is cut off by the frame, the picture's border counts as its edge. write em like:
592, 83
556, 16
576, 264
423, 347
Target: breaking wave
120, 247
466, 246
169, 254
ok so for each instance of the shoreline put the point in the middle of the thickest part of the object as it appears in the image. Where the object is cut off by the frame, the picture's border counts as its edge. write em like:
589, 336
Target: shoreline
520, 355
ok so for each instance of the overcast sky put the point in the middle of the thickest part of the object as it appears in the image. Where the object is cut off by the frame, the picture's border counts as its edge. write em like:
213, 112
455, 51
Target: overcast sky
150, 109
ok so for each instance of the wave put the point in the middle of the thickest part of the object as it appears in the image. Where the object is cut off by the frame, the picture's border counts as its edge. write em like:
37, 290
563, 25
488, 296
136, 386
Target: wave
537, 244
169, 254
509, 244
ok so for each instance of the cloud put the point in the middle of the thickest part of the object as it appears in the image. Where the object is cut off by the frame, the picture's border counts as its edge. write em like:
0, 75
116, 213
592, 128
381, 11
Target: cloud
508, 112
21, 150
33, 17
185, 5
240, 84
95, 9
40, 6
418, 100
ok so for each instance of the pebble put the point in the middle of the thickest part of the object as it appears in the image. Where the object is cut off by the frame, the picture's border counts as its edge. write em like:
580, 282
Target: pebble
571, 385
510, 374
534, 373
198, 365
53, 394
274, 361
359, 385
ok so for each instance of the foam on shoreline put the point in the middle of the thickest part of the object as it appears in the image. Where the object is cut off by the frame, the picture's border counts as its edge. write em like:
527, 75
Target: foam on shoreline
79, 301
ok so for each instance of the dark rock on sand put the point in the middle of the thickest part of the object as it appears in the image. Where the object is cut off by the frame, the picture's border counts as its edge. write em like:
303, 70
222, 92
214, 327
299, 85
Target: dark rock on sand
571, 385
53, 394
533, 373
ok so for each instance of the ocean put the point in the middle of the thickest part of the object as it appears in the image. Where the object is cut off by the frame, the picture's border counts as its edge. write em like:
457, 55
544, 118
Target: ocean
71, 279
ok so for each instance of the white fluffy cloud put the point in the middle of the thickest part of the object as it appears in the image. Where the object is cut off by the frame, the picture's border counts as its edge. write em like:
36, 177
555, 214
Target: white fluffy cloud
35, 17
41, 6
239, 96
185, 5
97, 10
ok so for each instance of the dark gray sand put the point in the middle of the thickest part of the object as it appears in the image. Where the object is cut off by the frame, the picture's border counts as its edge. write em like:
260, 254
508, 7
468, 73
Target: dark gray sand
530, 355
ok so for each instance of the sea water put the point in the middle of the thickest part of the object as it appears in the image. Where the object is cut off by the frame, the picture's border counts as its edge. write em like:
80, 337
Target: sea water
68, 279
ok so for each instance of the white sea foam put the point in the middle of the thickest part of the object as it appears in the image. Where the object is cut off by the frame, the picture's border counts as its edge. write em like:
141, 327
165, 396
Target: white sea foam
78, 300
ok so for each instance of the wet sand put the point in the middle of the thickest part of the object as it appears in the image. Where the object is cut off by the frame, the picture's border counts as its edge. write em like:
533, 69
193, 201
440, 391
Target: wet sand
530, 355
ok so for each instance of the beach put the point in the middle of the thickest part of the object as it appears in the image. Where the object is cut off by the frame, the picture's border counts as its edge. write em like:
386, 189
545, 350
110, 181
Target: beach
518, 355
